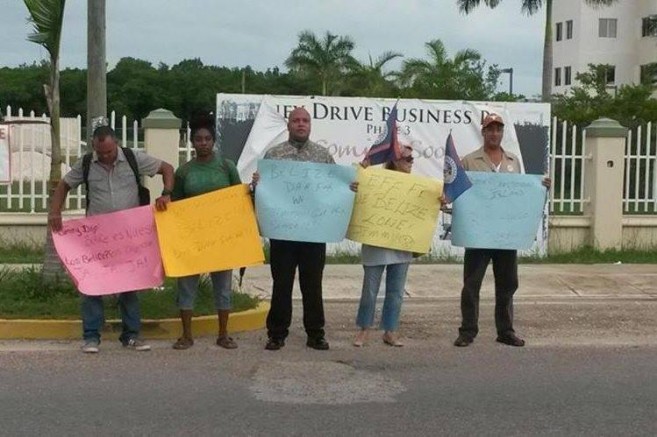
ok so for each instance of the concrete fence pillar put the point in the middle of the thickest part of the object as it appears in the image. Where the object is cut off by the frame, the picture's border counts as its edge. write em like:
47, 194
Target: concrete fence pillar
161, 139
603, 182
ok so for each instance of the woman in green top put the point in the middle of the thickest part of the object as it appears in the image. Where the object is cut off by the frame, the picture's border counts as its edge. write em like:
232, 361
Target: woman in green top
206, 172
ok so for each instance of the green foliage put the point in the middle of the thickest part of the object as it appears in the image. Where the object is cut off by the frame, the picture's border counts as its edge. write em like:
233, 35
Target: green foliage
465, 76
590, 99
506, 97
46, 17
32, 287
317, 65
73, 91
23, 87
325, 60
371, 80
130, 86
589, 255
20, 253
25, 295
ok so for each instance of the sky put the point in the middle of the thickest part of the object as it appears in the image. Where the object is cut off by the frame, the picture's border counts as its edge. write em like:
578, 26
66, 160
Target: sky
262, 33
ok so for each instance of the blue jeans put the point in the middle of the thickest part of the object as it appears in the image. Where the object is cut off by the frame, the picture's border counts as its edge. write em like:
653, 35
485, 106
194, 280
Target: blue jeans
395, 281
221, 285
93, 316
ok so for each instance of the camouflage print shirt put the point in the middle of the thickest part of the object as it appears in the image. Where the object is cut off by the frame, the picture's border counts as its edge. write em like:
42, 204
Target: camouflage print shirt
296, 151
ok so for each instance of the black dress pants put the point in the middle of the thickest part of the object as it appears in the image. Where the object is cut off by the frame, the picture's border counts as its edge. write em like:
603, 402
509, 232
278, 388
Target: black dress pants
505, 270
285, 257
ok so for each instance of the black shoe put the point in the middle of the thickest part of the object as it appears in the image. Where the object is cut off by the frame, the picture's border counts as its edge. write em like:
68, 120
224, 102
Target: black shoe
511, 340
274, 344
463, 341
318, 343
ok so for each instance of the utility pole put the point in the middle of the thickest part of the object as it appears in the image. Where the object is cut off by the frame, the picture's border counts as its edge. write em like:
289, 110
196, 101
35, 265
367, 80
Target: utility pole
96, 64
510, 71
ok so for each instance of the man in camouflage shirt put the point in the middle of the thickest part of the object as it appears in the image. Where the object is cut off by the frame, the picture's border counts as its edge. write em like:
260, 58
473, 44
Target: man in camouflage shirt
286, 256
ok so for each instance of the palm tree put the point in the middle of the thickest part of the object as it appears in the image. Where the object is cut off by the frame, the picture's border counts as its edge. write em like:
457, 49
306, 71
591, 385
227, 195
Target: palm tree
462, 77
530, 7
327, 59
374, 81
47, 17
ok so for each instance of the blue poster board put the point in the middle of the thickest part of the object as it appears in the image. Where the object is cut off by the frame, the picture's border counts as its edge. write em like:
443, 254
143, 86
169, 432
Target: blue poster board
500, 211
304, 201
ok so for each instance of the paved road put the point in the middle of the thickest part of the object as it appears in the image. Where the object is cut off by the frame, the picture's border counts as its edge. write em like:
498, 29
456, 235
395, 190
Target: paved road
589, 369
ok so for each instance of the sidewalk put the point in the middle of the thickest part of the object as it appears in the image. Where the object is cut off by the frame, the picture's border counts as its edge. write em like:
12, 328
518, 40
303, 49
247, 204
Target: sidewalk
574, 283
444, 281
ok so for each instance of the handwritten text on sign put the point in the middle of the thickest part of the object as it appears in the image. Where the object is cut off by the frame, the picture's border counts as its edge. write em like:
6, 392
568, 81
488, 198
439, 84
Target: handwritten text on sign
395, 210
304, 201
111, 253
211, 232
500, 211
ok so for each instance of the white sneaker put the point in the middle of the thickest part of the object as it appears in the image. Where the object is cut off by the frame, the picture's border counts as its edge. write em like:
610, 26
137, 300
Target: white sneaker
90, 347
137, 345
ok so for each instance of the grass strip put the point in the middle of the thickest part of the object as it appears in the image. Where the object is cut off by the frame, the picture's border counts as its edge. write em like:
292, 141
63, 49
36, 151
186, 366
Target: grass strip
27, 254
23, 294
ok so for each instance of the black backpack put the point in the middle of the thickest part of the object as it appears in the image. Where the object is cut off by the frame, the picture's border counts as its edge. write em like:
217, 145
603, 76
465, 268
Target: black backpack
143, 192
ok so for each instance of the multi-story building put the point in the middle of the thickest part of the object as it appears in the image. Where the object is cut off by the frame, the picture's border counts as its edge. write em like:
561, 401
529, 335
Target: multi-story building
623, 35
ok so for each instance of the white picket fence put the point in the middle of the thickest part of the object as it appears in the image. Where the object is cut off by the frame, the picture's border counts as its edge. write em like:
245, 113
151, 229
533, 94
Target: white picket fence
567, 155
30, 157
31, 151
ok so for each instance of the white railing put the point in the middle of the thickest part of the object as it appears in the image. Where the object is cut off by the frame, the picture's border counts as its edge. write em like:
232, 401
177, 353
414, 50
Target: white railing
640, 190
30, 158
568, 153
31, 167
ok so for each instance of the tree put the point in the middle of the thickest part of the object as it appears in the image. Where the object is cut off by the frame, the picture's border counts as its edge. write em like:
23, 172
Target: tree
372, 81
73, 92
134, 88
327, 59
465, 76
47, 17
22, 87
530, 7
589, 100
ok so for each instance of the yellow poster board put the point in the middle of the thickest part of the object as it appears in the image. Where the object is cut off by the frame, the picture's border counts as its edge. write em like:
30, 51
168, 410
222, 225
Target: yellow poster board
211, 232
395, 210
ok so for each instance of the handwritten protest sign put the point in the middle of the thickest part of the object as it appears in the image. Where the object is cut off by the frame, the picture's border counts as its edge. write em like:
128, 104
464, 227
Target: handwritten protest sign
5, 164
211, 232
500, 211
395, 210
111, 253
304, 201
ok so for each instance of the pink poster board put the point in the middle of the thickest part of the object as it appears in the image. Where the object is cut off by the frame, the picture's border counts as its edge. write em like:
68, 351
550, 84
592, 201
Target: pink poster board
111, 253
